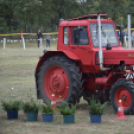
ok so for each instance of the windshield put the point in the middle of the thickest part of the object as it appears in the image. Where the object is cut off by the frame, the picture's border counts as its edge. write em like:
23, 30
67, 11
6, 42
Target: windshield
107, 35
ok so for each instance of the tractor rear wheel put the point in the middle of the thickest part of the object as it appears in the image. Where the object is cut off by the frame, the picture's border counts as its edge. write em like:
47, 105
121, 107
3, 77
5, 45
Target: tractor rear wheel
123, 90
60, 76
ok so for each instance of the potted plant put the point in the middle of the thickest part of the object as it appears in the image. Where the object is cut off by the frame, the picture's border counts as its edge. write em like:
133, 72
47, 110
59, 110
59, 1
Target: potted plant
96, 109
47, 112
12, 108
68, 111
31, 110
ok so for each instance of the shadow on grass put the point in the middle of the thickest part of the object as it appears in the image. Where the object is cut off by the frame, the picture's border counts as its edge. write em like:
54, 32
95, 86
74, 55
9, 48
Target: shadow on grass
82, 106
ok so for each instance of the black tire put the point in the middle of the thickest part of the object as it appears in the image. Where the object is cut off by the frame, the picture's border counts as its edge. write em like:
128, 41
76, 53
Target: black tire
129, 87
73, 73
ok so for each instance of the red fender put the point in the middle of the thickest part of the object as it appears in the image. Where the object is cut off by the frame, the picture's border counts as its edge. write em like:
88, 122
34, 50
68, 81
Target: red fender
49, 54
71, 55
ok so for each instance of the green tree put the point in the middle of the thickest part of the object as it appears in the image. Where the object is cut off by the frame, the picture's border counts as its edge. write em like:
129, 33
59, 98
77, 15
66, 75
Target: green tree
116, 9
7, 17
130, 10
86, 7
27, 12
45, 14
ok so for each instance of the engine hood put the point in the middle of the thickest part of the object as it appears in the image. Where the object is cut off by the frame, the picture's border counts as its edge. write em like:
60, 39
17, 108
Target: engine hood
116, 56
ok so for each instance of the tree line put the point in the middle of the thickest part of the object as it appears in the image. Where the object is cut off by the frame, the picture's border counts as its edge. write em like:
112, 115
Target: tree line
31, 15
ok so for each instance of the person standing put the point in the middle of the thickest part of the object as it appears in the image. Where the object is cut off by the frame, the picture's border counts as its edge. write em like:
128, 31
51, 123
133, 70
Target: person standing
118, 34
39, 36
47, 40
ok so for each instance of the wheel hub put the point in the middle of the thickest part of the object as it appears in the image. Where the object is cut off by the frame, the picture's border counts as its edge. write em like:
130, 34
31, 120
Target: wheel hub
56, 82
125, 96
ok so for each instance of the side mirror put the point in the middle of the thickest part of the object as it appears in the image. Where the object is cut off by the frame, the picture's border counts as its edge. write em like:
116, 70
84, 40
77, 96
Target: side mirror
108, 47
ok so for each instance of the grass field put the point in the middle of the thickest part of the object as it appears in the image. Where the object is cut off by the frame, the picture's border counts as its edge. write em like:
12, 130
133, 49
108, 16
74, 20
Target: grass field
17, 81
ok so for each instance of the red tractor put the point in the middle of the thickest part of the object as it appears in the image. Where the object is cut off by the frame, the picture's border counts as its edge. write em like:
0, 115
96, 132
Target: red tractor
89, 61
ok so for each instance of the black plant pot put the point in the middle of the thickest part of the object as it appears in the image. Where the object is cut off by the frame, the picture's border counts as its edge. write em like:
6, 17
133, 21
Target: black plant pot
12, 114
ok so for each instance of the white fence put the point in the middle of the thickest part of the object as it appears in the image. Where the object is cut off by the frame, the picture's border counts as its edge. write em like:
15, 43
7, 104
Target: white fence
41, 40
5, 41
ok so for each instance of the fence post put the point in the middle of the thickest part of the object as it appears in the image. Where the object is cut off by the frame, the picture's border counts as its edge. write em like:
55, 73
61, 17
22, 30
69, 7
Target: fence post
23, 42
129, 32
4, 43
41, 42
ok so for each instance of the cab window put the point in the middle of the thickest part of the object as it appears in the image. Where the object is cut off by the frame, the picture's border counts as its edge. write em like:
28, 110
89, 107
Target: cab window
80, 36
108, 35
66, 36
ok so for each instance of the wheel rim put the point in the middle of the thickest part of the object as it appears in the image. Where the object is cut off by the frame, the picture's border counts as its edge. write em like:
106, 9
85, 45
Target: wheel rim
124, 95
56, 82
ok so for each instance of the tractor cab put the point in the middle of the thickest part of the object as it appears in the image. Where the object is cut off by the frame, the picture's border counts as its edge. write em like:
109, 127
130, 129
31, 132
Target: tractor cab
83, 31
81, 37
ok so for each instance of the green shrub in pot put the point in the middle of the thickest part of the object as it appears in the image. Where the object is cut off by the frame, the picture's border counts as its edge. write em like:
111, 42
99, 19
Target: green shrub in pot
47, 112
12, 108
31, 108
96, 109
68, 111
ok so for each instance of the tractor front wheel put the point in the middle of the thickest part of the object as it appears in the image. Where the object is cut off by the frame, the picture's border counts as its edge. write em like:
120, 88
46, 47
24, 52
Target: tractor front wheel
123, 90
60, 79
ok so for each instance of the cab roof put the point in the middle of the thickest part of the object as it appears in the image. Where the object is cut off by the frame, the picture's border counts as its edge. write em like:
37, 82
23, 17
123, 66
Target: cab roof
85, 20
89, 16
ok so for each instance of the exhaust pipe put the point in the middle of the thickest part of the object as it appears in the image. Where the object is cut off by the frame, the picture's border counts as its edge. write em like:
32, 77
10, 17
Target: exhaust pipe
129, 30
100, 48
